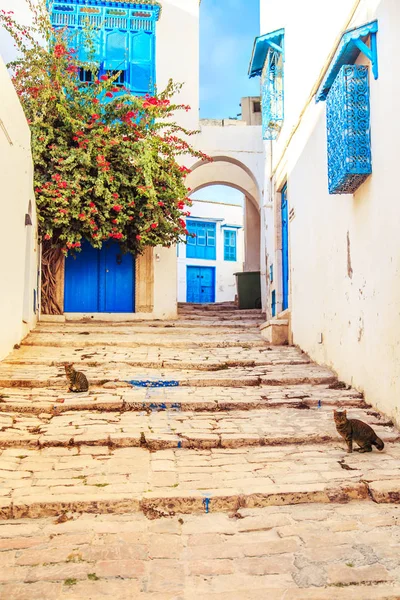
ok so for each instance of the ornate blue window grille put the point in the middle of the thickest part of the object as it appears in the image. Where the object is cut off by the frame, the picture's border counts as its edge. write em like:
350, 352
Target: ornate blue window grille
268, 62
122, 39
272, 95
348, 130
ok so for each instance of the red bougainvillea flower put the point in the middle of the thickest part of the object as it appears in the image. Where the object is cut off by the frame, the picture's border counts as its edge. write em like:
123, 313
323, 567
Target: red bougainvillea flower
104, 77
115, 195
154, 225
160, 203
59, 51
138, 237
92, 204
47, 237
115, 220
63, 211
118, 236
109, 94
95, 100
95, 116
117, 207
114, 89
141, 214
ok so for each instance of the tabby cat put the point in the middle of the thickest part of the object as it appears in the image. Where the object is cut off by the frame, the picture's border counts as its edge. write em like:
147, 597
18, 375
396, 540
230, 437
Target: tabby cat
353, 430
77, 381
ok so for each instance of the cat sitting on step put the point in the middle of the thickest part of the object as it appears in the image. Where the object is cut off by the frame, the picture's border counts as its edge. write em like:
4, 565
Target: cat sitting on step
77, 381
353, 430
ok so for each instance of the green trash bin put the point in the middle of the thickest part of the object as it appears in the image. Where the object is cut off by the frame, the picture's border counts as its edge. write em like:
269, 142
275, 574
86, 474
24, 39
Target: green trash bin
248, 287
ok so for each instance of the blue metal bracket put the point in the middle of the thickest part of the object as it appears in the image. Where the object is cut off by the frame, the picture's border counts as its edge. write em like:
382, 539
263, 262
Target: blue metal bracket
370, 53
206, 503
351, 44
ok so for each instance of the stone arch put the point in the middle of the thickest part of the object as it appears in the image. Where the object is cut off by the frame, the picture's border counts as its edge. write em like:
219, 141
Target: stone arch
225, 170
229, 171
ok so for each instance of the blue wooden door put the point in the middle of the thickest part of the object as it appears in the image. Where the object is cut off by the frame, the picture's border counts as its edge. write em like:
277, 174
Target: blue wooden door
285, 249
100, 280
119, 280
200, 284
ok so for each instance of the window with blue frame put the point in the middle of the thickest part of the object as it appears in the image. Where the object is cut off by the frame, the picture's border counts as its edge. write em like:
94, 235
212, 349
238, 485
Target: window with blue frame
120, 38
202, 242
268, 62
230, 245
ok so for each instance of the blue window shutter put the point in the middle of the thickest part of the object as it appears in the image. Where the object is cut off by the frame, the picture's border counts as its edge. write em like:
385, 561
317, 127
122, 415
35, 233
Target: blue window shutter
204, 244
117, 51
90, 47
230, 245
142, 68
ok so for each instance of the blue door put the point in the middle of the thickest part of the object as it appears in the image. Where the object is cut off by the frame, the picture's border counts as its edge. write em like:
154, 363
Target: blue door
285, 249
200, 284
100, 280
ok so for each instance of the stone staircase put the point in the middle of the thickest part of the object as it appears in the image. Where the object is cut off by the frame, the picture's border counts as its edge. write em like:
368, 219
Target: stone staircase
216, 471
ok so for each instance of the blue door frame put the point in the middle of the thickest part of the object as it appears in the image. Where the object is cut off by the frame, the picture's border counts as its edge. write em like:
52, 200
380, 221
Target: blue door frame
200, 284
100, 280
285, 248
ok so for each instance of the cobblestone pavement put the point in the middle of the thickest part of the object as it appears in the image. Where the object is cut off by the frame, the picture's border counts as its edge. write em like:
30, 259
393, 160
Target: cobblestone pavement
233, 484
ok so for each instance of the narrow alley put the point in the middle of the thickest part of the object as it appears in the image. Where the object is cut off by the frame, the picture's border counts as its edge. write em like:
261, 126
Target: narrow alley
217, 472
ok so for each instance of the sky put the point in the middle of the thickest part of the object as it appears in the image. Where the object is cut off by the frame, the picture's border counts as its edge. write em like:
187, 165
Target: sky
227, 32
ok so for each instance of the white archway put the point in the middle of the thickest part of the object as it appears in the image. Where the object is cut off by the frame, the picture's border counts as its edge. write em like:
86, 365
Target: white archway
229, 171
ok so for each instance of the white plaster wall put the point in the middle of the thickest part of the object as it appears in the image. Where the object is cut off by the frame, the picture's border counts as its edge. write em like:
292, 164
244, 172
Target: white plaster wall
311, 28
351, 293
18, 248
240, 143
252, 236
225, 288
177, 54
165, 278
177, 58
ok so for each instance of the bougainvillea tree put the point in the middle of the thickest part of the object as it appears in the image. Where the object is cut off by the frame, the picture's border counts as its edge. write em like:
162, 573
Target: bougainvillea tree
107, 164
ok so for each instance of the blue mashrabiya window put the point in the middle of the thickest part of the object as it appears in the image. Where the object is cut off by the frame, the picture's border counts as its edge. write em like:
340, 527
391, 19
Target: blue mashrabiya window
203, 244
230, 245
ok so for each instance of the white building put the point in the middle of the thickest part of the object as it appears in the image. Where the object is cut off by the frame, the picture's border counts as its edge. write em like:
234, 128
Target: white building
331, 216
209, 260
19, 296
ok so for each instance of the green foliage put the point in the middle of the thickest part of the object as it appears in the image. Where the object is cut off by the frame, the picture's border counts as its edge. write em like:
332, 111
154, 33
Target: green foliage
106, 163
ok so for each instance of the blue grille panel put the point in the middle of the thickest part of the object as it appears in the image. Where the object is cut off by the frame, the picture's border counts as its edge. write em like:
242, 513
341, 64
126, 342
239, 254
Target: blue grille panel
348, 130
272, 95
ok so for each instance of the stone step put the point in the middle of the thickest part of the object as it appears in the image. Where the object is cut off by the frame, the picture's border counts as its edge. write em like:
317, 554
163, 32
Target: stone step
200, 359
47, 482
50, 400
35, 376
193, 327
209, 339
318, 552
181, 429
218, 310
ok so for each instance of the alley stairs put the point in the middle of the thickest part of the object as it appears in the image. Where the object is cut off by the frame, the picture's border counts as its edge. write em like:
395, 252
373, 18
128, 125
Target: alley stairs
202, 462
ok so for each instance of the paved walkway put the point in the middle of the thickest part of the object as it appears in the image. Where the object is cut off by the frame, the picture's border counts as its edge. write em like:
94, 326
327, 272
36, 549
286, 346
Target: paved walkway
233, 484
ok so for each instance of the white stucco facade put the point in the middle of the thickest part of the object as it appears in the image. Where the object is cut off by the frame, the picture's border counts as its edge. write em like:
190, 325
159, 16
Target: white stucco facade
18, 248
344, 260
227, 217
